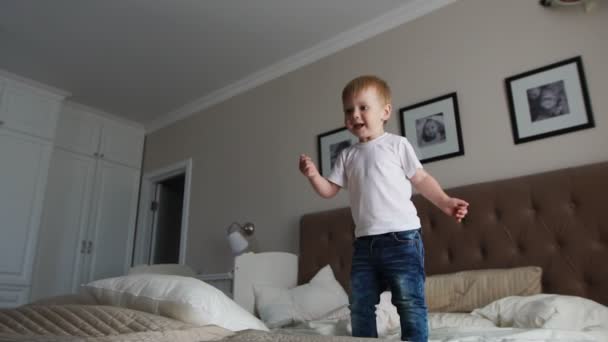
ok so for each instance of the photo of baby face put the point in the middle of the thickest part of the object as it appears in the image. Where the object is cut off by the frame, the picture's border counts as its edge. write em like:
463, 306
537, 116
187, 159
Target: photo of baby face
430, 130
547, 101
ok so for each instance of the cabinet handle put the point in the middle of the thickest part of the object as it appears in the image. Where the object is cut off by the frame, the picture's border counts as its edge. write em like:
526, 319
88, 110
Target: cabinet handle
83, 247
96, 154
1, 122
102, 155
90, 247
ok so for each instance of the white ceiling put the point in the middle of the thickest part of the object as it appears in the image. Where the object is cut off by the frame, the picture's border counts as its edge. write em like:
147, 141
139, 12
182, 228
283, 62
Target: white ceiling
154, 61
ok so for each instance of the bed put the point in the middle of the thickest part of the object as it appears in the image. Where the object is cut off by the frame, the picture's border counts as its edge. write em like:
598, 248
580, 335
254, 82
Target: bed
556, 221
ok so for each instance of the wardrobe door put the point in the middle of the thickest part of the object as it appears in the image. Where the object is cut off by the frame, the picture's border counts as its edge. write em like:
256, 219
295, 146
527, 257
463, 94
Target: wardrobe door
13, 296
113, 223
61, 244
25, 162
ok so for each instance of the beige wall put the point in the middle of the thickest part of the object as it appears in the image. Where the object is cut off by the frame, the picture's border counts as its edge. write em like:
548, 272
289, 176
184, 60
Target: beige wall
245, 150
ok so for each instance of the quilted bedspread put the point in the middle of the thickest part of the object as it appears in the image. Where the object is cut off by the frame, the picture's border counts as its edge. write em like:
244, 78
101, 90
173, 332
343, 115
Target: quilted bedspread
97, 323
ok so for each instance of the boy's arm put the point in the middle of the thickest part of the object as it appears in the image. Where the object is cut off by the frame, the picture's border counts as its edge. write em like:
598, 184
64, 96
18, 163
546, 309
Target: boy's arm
428, 186
322, 186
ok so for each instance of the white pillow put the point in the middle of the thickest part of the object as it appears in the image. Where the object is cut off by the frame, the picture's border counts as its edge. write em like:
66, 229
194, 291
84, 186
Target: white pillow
576, 313
278, 307
183, 298
518, 311
274, 306
546, 311
388, 321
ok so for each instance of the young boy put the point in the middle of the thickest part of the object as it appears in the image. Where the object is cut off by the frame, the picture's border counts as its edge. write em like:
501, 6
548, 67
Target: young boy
378, 172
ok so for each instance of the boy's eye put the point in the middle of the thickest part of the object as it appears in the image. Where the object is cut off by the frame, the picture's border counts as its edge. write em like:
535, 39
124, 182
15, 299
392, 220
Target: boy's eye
348, 111
363, 108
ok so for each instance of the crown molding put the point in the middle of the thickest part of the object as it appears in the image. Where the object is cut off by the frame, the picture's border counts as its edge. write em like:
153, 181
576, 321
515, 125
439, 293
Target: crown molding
34, 85
408, 12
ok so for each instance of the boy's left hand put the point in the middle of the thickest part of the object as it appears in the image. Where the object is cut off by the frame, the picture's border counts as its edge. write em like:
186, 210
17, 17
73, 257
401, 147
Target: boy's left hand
456, 208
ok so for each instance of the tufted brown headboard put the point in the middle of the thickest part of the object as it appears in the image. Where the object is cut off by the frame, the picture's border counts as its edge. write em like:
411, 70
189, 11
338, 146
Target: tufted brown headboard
556, 220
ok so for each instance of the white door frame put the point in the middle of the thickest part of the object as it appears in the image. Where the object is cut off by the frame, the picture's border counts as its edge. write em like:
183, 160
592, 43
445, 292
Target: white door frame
148, 182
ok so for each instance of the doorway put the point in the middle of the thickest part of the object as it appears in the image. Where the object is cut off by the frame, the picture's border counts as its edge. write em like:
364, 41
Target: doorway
167, 220
163, 216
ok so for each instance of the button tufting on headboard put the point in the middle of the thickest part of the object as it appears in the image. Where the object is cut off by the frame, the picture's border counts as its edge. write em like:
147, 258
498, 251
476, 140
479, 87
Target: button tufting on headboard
483, 252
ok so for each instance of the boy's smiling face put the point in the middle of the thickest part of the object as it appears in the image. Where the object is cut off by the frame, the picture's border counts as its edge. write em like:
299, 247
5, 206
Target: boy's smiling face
365, 113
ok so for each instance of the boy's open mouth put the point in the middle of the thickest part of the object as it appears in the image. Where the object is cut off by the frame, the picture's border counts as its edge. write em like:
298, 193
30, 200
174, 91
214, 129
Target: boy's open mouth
358, 125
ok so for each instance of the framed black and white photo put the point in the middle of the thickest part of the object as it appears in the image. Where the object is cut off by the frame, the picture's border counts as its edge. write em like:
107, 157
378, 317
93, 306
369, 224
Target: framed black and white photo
433, 128
330, 145
549, 101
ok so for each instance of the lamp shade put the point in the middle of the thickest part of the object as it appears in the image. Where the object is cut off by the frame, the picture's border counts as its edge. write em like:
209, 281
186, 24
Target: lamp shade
238, 243
239, 236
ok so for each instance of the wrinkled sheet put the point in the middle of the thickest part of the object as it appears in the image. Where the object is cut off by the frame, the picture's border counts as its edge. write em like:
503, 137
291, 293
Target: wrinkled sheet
457, 334
514, 335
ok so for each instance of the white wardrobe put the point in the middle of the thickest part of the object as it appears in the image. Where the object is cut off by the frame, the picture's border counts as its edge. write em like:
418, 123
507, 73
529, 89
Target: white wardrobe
28, 116
88, 220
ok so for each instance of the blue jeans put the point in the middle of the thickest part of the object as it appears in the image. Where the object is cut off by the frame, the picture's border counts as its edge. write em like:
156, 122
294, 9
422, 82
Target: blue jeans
394, 261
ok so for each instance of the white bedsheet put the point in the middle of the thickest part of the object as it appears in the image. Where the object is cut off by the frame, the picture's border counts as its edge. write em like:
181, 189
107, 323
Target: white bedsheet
340, 327
328, 327
513, 335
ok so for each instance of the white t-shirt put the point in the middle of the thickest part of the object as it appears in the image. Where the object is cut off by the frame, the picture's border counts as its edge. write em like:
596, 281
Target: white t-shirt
376, 173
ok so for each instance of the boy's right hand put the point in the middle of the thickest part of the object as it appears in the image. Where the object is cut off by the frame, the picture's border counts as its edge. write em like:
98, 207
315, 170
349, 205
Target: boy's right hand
307, 167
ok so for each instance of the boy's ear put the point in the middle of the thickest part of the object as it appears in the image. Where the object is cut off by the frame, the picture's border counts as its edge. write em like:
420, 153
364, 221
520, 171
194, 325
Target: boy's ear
388, 109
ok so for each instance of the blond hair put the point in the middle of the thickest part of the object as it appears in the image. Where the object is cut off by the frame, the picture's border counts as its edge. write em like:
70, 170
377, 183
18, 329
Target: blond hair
361, 83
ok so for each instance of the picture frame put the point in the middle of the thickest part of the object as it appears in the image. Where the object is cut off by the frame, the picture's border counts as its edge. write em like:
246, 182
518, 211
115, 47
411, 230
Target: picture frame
433, 128
330, 145
549, 101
